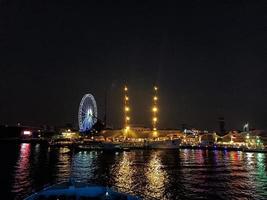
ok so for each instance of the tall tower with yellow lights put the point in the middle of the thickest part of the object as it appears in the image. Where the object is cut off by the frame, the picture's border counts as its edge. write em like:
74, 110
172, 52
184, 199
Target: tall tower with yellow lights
126, 111
155, 111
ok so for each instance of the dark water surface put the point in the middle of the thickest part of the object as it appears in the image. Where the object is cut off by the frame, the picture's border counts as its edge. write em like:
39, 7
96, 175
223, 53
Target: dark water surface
180, 174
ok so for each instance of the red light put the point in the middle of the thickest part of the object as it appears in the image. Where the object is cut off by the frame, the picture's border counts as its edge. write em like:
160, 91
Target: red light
27, 132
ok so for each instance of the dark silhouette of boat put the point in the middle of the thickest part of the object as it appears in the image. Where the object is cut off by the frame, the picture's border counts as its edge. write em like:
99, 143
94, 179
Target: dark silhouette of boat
80, 191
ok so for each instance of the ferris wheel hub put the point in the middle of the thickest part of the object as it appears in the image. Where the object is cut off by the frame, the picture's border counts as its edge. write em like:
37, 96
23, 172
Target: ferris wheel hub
87, 114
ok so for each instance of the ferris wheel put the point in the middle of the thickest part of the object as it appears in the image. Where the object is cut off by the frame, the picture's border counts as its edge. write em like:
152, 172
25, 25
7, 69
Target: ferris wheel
87, 114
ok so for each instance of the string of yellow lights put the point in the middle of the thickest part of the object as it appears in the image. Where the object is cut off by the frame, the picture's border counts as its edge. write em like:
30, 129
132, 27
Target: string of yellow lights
155, 111
126, 110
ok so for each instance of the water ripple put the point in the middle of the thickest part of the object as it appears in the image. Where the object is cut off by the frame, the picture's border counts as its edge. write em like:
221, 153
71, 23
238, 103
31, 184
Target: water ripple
181, 174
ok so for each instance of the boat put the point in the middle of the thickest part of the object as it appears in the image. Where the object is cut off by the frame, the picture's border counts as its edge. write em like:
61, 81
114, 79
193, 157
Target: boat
111, 146
105, 146
165, 144
80, 191
87, 147
255, 150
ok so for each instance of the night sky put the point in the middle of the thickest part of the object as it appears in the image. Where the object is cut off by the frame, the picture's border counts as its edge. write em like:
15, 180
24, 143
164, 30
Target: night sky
208, 59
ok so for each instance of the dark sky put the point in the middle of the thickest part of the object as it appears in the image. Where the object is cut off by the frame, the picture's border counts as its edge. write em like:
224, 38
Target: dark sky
207, 57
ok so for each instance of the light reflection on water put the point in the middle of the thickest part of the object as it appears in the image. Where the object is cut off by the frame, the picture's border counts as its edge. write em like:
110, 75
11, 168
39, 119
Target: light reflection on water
82, 165
156, 176
63, 166
22, 179
123, 171
181, 174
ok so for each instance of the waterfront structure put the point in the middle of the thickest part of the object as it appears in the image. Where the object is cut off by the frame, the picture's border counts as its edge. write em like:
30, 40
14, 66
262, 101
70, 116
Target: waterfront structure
207, 139
187, 137
262, 134
70, 134
141, 133
87, 114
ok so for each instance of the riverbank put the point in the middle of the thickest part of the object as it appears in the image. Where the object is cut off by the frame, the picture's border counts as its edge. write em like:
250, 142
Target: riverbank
124, 146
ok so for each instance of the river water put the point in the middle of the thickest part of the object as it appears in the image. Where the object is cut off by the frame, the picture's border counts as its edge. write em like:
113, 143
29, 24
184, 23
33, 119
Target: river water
179, 174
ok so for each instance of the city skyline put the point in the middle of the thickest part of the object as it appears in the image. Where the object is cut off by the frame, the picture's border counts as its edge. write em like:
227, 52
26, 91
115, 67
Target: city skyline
128, 117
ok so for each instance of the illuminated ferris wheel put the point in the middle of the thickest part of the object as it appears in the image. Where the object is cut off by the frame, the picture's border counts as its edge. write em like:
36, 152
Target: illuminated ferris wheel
87, 114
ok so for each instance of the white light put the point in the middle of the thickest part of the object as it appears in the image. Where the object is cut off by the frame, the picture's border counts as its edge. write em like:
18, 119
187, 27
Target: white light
90, 112
27, 132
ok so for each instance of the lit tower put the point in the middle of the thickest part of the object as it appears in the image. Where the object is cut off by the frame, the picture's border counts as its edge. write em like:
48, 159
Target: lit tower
126, 110
246, 127
155, 111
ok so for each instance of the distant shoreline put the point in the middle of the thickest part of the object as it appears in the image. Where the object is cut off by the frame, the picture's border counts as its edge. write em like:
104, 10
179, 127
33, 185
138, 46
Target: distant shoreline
209, 148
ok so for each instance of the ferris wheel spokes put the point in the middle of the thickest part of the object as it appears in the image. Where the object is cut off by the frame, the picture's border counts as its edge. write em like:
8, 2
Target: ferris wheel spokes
87, 114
